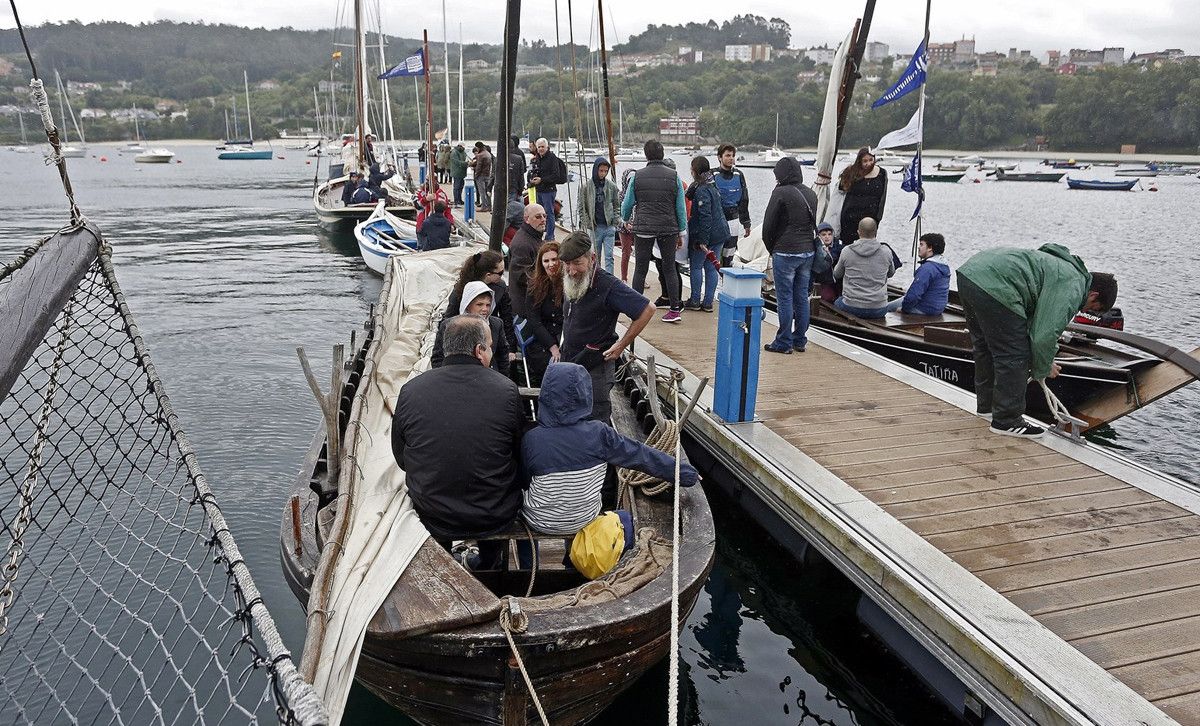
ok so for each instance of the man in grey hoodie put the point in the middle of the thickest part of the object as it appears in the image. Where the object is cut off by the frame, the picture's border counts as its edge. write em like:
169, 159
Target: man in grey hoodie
864, 269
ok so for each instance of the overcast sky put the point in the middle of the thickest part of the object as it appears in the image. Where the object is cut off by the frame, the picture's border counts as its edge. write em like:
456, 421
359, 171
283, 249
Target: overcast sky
1035, 25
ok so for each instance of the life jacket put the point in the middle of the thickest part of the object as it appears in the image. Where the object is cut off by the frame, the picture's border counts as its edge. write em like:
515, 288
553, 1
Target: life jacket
730, 187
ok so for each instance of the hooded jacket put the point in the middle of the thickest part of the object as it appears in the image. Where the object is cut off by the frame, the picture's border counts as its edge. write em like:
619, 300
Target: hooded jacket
930, 288
458, 162
706, 225
457, 434
864, 268
587, 198
567, 455
500, 347
1046, 287
502, 307
789, 224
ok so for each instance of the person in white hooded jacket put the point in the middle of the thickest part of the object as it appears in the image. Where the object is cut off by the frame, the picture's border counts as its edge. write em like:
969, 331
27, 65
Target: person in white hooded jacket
478, 299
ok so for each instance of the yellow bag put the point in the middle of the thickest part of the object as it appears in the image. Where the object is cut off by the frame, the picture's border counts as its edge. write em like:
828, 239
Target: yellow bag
531, 195
598, 546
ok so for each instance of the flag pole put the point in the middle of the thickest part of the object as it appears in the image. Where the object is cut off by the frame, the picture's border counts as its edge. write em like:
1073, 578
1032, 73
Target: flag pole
429, 154
921, 141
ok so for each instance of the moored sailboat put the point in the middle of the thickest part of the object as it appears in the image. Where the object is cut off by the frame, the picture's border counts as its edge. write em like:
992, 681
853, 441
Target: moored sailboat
247, 152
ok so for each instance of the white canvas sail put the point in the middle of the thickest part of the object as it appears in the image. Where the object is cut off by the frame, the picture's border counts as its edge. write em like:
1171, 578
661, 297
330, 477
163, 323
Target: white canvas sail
827, 142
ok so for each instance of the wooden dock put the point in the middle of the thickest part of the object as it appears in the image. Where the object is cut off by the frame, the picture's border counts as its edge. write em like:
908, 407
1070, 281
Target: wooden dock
1057, 581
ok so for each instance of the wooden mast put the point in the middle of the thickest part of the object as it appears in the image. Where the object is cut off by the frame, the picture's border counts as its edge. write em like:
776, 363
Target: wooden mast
861, 29
508, 80
612, 150
360, 62
430, 153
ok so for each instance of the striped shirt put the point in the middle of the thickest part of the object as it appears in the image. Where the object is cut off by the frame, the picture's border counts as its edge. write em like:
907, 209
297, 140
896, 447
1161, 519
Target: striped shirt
564, 502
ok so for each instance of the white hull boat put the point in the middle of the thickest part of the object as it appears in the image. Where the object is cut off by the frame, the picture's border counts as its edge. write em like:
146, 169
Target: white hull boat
155, 156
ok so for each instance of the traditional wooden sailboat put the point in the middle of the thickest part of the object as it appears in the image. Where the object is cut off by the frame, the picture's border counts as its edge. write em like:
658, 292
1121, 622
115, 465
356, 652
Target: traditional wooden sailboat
437, 648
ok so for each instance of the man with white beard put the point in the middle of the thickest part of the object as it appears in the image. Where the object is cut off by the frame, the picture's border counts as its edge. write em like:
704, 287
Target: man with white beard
593, 299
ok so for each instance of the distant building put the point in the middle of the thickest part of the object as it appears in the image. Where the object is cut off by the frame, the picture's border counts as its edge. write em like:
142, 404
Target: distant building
876, 52
688, 55
813, 76
1067, 69
680, 128
1083, 58
1113, 57
941, 54
986, 69
78, 88
93, 113
267, 85
7, 67
1053, 58
1159, 58
964, 51
991, 58
961, 53
478, 65
822, 56
748, 53
338, 86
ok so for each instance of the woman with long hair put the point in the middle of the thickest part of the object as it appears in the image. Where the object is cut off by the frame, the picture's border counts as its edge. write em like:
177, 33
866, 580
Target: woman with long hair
544, 321
707, 234
487, 267
865, 185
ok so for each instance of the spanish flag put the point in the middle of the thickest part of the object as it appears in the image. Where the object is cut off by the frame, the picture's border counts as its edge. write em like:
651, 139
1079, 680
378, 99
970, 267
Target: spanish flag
337, 54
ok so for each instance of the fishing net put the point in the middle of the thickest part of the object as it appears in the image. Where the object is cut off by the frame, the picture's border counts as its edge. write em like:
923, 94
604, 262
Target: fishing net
123, 597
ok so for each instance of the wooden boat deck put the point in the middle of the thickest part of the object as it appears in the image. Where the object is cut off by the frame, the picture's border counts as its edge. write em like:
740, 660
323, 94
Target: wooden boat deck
1109, 566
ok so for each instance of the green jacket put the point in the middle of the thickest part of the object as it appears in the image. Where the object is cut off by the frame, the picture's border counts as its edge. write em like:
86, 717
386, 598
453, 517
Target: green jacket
458, 163
1046, 287
587, 205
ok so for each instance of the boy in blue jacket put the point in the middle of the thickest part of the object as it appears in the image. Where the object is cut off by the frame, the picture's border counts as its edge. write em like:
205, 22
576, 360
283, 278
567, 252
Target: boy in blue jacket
930, 288
567, 455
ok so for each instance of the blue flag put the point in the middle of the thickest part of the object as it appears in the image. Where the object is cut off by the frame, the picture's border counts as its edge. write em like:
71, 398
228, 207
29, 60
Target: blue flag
911, 182
912, 79
414, 65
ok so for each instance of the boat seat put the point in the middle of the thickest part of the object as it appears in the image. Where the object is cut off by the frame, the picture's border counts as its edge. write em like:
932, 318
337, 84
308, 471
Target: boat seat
898, 319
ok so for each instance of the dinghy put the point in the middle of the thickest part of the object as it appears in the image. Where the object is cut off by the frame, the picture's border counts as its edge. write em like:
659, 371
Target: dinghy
1110, 185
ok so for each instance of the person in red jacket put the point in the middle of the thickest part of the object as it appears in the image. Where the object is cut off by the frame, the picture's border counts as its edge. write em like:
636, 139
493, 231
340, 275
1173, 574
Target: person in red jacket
426, 200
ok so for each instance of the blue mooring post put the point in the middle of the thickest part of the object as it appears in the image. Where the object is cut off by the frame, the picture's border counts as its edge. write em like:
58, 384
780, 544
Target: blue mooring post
469, 200
421, 173
739, 326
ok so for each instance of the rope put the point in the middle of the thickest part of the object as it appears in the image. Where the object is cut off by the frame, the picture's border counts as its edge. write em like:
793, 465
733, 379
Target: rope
1061, 414
676, 535
562, 101
533, 547
513, 620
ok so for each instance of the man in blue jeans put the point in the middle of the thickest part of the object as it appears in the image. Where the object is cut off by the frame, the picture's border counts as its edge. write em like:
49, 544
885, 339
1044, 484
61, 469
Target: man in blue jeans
788, 231
546, 173
598, 211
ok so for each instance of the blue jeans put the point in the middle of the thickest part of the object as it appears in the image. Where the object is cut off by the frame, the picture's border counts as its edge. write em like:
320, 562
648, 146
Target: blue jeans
793, 283
603, 238
701, 267
840, 304
546, 199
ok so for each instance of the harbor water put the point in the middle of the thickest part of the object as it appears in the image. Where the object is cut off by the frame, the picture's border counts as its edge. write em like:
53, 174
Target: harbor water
228, 273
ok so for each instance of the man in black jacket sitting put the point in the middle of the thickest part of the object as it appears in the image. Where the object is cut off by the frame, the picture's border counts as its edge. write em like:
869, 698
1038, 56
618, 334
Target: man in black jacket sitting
457, 434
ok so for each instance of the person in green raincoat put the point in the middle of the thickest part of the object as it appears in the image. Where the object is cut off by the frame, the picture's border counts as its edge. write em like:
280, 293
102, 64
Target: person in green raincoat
458, 172
1017, 303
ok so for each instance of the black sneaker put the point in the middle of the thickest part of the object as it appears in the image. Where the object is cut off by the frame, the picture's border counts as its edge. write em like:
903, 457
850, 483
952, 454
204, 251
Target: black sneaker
706, 308
1022, 431
690, 305
662, 300
770, 348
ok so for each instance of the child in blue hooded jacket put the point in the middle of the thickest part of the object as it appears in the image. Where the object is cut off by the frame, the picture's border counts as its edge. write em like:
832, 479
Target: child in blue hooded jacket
567, 455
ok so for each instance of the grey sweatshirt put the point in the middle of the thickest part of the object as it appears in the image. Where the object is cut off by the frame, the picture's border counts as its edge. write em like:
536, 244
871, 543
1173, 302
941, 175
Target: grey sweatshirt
865, 267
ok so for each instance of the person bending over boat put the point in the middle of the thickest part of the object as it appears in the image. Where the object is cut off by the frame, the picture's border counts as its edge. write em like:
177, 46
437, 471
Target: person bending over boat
487, 267
522, 255
378, 175
1017, 303
864, 269
478, 300
567, 455
457, 434
594, 299
435, 233
930, 288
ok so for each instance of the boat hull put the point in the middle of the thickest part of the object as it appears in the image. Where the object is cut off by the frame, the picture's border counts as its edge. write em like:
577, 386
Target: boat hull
246, 155
1102, 185
1035, 176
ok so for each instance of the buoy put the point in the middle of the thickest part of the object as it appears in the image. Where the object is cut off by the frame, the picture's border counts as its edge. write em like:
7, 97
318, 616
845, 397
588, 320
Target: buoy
1153, 187
282, 157
306, 163
977, 181
179, 161
103, 158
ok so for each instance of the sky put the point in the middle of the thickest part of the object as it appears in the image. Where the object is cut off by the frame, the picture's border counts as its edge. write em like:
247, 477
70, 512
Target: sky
1036, 25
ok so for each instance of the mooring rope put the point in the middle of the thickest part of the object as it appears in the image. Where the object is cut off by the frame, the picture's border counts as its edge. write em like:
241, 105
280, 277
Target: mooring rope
676, 536
1057, 408
514, 620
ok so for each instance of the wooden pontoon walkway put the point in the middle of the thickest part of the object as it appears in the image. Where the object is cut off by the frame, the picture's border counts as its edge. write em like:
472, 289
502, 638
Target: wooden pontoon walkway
983, 547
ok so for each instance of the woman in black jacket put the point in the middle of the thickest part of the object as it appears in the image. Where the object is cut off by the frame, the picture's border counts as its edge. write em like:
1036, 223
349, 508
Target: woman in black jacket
487, 267
865, 185
545, 315
788, 230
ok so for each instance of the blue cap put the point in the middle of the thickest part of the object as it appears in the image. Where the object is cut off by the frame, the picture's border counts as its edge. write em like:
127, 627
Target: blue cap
824, 226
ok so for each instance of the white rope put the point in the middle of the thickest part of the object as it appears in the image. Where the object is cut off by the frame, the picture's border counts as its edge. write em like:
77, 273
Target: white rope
512, 619
1061, 414
673, 677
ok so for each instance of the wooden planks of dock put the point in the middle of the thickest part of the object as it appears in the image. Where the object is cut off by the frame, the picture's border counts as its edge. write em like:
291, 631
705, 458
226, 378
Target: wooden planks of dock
1111, 568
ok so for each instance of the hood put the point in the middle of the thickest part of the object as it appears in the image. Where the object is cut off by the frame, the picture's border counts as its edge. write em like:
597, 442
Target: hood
1063, 253
864, 247
596, 166
789, 171
566, 395
474, 289
939, 261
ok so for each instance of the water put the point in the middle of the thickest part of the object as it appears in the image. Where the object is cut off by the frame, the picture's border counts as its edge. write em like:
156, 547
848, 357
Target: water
227, 273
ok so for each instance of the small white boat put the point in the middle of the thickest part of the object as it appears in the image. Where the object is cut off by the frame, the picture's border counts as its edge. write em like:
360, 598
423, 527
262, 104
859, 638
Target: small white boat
72, 151
155, 156
951, 167
971, 160
764, 160
1138, 171
889, 159
383, 236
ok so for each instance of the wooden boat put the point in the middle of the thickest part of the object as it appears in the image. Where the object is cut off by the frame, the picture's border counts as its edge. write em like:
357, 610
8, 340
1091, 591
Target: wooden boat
1098, 383
436, 649
952, 167
383, 236
1068, 164
1029, 176
1102, 184
1138, 172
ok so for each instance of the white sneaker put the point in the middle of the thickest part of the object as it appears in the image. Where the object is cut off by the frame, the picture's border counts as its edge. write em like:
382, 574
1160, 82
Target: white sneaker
1023, 431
